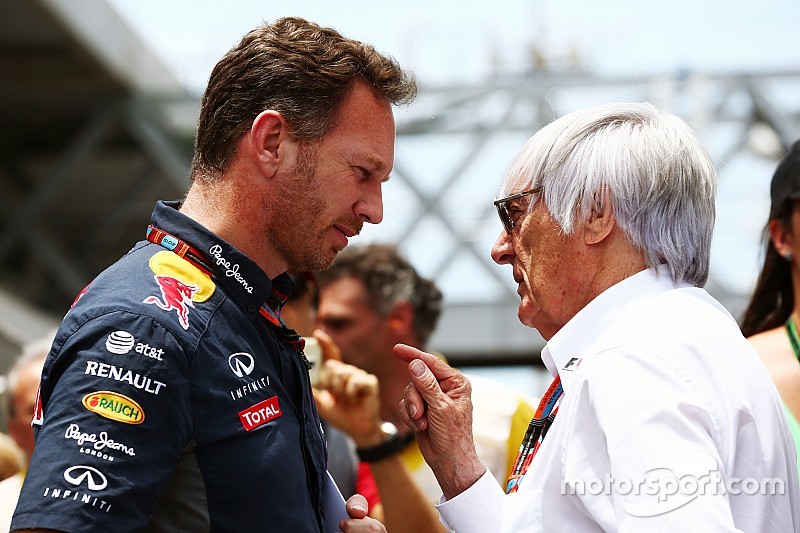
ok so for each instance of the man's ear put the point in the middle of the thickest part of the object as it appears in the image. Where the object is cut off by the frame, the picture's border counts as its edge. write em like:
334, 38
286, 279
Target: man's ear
401, 319
601, 220
268, 136
781, 239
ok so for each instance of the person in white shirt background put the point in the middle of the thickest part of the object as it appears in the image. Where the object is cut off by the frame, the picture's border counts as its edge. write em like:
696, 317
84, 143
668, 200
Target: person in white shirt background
661, 415
23, 385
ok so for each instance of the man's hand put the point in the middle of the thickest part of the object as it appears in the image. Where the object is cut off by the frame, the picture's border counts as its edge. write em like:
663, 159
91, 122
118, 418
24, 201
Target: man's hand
359, 522
437, 405
348, 398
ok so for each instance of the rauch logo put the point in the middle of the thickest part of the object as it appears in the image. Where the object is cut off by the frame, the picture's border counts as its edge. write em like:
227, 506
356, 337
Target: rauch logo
114, 406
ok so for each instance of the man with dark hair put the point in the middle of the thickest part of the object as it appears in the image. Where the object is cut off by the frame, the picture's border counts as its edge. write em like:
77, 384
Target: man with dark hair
369, 300
175, 398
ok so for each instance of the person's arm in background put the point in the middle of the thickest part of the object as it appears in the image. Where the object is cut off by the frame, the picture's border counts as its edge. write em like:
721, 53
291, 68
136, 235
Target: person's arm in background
348, 399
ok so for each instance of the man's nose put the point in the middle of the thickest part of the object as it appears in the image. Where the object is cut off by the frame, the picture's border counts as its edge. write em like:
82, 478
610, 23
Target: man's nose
369, 207
502, 250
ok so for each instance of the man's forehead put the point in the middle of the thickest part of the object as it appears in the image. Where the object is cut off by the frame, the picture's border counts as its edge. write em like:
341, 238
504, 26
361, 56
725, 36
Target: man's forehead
347, 290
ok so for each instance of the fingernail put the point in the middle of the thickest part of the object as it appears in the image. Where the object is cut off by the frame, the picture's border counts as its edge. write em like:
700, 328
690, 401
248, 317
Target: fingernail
417, 367
359, 507
412, 410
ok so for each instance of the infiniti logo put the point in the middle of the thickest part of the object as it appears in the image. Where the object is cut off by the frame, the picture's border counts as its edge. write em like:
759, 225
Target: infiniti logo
95, 480
241, 364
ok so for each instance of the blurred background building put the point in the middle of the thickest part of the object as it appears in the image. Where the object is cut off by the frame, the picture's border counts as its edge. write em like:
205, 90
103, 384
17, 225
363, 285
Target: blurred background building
98, 102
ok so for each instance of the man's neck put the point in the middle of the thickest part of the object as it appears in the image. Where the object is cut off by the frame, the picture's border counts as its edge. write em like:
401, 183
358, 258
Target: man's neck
225, 212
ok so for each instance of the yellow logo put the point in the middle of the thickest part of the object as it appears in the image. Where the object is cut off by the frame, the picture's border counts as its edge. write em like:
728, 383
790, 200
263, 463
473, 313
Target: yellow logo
114, 406
166, 263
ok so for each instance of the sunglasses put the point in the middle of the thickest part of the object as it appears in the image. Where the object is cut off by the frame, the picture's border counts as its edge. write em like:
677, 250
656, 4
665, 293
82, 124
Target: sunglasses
511, 209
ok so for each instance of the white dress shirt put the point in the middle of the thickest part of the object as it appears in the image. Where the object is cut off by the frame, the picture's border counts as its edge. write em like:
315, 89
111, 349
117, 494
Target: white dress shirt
669, 422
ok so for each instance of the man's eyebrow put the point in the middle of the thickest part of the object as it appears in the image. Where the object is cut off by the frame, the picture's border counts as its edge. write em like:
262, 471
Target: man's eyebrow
375, 163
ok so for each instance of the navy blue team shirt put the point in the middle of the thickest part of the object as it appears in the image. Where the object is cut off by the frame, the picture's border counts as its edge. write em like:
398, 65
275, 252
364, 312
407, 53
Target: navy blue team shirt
168, 403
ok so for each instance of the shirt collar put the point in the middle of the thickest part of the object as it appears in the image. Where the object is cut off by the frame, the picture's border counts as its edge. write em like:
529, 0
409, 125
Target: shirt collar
573, 342
240, 277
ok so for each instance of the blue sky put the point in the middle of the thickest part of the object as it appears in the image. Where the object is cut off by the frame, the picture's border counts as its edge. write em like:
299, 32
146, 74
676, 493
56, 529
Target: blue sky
446, 41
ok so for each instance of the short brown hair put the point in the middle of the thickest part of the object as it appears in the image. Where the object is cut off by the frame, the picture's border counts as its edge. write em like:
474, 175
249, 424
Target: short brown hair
389, 279
297, 68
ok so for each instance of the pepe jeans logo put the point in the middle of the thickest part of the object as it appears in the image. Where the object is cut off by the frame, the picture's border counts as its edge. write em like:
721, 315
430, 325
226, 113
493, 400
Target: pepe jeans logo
114, 406
231, 271
101, 445
241, 364
95, 480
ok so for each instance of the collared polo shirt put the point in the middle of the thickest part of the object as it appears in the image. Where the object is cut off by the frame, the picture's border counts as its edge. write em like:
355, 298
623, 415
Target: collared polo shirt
168, 403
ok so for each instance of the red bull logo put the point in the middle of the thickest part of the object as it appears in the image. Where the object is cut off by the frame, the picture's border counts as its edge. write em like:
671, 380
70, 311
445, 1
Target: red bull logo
176, 296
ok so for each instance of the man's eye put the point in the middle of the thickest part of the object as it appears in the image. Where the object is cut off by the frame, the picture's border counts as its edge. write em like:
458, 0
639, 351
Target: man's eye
516, 212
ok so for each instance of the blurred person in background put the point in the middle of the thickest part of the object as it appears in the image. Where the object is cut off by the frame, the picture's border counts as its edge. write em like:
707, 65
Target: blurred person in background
417, 514
12, 460
660, 415
772, 318
299, 313
176, 353
23, 384
370, 299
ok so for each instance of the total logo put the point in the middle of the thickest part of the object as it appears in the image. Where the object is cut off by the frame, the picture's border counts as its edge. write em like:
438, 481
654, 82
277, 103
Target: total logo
121, 343
259, 414
84, 478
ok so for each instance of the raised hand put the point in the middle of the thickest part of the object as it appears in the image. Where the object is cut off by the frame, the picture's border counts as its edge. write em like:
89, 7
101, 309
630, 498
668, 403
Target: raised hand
437, 405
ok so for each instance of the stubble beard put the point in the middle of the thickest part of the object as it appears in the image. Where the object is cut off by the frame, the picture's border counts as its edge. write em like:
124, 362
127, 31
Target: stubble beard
296, 231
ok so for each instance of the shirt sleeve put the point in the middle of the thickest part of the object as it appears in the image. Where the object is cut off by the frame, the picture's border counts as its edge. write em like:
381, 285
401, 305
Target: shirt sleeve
116, 415
478, 509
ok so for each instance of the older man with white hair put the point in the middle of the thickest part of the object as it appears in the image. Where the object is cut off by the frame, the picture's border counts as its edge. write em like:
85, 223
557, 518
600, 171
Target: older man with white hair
660, 415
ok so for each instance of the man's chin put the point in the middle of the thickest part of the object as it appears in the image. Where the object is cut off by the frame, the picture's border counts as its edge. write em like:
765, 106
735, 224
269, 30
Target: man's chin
525, 315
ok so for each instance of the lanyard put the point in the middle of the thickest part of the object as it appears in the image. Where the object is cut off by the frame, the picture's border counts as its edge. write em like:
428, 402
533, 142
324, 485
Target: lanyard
189, 253
537, 429
791, 330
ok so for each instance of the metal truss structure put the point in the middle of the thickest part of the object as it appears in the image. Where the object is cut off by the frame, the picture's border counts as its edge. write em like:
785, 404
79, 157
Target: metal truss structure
88, 146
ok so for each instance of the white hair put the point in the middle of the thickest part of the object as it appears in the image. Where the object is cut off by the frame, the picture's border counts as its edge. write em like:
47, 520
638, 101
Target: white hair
647, 163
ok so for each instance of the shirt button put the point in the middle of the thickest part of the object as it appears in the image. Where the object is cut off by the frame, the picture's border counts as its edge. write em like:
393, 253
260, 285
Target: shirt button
251, 308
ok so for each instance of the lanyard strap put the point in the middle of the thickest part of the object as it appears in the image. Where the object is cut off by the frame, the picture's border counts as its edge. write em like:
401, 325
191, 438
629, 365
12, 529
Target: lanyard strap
791, 330
189, 253
534, 436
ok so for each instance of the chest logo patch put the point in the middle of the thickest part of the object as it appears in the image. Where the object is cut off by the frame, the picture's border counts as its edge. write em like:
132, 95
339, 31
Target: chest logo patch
180, 283
259, 414
241, 364
177, 296
114, 406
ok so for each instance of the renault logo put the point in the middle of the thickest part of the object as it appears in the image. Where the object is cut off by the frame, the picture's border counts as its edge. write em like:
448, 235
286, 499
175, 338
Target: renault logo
241, 364
95, 480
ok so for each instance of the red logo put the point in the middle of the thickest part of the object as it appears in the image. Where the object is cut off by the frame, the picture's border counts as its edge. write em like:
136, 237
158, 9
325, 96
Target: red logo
80, 295
38, 414
260, 413
177, 295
